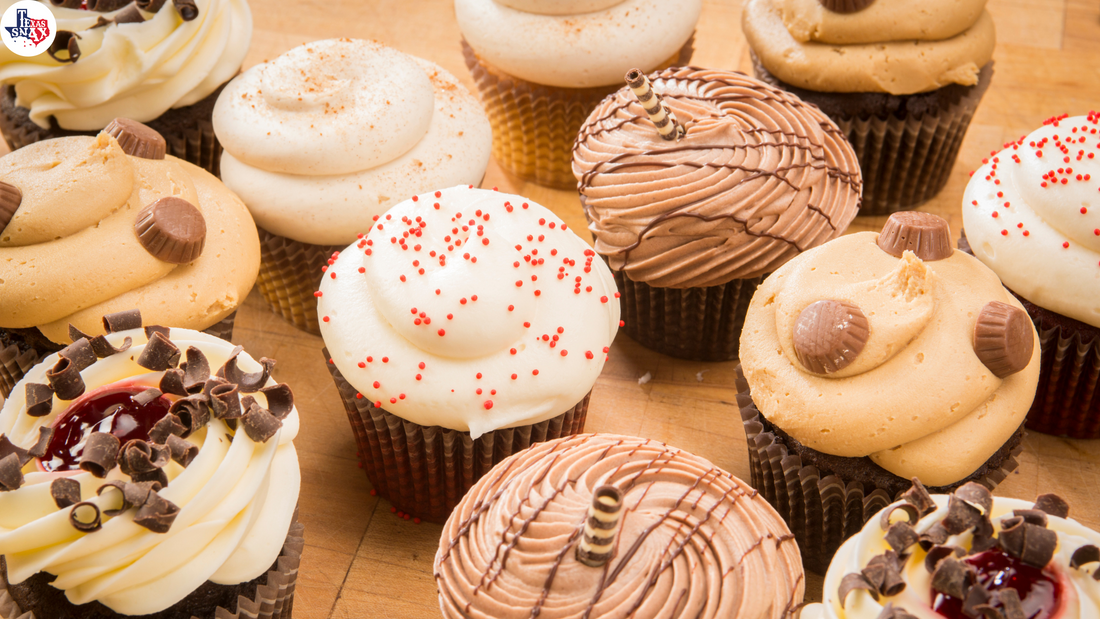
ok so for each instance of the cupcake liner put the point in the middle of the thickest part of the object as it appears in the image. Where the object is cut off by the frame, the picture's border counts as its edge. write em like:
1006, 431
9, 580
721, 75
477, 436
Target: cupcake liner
273, 599
823, 508
223, 328
905, 160
188, 131
534, 126
424, 471
289, 274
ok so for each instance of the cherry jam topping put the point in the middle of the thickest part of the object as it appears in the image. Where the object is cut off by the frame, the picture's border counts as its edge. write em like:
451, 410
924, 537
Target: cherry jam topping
1039, 589
107, 409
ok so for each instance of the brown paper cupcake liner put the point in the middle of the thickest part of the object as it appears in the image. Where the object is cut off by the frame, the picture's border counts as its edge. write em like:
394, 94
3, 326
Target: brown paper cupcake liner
905, 160
290, 272
14, 364
273, 598
534, 126
188, 131
424, 471
824, 507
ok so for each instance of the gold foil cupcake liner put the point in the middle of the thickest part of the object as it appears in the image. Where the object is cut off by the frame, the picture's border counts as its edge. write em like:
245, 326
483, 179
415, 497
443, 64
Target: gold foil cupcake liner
534, 126
290, 272
823, 509
424, 471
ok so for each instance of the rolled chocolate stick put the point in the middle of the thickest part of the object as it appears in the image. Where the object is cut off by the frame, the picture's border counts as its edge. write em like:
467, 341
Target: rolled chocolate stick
663, 118
598, 541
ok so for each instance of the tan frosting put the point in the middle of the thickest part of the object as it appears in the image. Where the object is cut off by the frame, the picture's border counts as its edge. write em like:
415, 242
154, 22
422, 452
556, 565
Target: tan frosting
61, 265
694, 540
943, 414
891, 46
758, 177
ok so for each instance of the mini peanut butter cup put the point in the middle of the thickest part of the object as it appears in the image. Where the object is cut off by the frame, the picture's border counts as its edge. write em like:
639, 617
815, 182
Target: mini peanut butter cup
829, 335
10, 198
136, 139
846, 6
926, 235
1002, 338
172, 230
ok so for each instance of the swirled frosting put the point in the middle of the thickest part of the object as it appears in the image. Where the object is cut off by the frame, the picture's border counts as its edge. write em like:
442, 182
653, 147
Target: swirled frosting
60, 265
1080, 592
578, 43
944, 413
236, 500
133, 70
1032, 214
471, 310
758, 177
332, 133
694, 540
891, 46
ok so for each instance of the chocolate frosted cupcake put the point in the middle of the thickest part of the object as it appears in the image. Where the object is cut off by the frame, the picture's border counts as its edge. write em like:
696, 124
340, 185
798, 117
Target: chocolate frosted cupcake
874, 359
610, 526
691, 225
151, 231
173, 58
542, 66
1034, 218
373, 127
463, 327
148, 472
902, 80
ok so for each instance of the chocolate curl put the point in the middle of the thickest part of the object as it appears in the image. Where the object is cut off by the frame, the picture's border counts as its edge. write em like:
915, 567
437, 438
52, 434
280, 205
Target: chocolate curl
149, 6
106, 6
912, 514
182, 451
248, 382
85, 517
130, 494
122, 321
151, 329
280, 400
10, 199
172, 382
75, 334
259, 424
918, 497
79, 353
1032, 544
983, 538
895, 612
65, 42
195, 370
147, 396
1009, 601
156, 476
67, 4
936, 554
960, 517
884, 573
187, 9
192, 411
100, 454
129, 15
45, 434
901, 535
952, 577
976, 496
977, 595
1032, 516
604, 517
65, 380
1083, 555
663, 118
159, 354
65, 492
854, 581
139, 457
169, 425
103, 348
157, 514
1053, 505
225, 402
11, 473
8, 448
39, 399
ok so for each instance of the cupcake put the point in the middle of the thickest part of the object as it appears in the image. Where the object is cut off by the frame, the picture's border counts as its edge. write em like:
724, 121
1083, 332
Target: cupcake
151, 231
610, 526
542, 66
157, 62
1034, 218
454, 344
690, 226
902, 81
148, 472
326, 137
874, 359
965, 555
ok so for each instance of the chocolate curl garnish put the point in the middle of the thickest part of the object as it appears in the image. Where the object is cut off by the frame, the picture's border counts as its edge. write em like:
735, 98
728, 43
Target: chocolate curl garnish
225, 402
901, 536
248, 382
130, 15
172, 382
172, 230
151, 329
1003, 338
79, 353
187, 9
157, 514
182, 451
983, 537
192, 411
100, 454
196, 369
829, 335
846, 6
169, 425
934, 536
122, 321
936, 554
912, 514
1083, 555
663, 118
156, 476
85, 517
159, 354
11, 473
65, 492
106, 6
8, 448
39, 399
130, 494
1053, 505
1009, 600
10, 198
147, 396
952, 577
259, 424
149, 6
139, 457
65, 42
895, 612
67, 4
1032, 544
100, 22
854, 581
280, 400
918, 496
1036, 517
138, 140
977, 595
976, 496
960, 517
926, 235
45, 434
601, 526
884, 573
103, 348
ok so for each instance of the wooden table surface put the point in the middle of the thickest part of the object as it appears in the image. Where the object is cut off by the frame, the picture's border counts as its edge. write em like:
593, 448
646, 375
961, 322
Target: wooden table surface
361, 560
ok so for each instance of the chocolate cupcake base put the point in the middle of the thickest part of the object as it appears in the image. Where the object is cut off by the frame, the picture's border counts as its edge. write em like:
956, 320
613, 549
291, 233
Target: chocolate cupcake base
289, 274
826, 499
424, 471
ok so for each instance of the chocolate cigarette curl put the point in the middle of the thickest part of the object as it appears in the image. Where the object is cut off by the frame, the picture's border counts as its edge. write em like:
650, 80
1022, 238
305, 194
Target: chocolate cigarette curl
122, 321
668, 128
1031, 544
280, 400
11, 473
259, 424
65, 48
100, 454
168, 425
1053, 505
147, 396
103, 348
604, 515
65, 491
10, 199
85, 517
65, 380
182, 451
157, 514
39, 399
248, 382
140, 457
159, 354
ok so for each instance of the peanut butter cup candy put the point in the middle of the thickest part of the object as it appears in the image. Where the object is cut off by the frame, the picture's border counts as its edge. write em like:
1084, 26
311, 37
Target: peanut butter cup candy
691, 220
874, 359
599, 525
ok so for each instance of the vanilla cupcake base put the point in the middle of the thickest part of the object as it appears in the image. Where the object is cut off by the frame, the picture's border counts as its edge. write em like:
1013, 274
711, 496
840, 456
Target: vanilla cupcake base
289, 275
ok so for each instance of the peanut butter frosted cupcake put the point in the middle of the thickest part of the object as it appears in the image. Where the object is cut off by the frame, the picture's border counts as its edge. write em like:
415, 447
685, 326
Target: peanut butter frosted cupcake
331, 134
542, 66
151, 231
600, 525
874, 359
691, 225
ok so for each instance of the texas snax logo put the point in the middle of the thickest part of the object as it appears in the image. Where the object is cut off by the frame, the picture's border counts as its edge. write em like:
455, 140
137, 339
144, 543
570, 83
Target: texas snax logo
28, 28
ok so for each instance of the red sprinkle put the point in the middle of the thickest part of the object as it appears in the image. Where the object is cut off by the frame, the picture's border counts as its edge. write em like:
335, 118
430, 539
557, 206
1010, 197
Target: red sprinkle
488, 404
442, 332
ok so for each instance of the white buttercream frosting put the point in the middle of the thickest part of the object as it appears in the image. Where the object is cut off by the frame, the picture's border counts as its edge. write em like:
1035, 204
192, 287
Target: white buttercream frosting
330, 134
471, 310
594, 44
236, 500
1032, 215
132, 70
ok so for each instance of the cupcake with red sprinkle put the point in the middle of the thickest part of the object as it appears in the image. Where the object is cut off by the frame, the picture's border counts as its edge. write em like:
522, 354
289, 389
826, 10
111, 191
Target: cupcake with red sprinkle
463, 326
